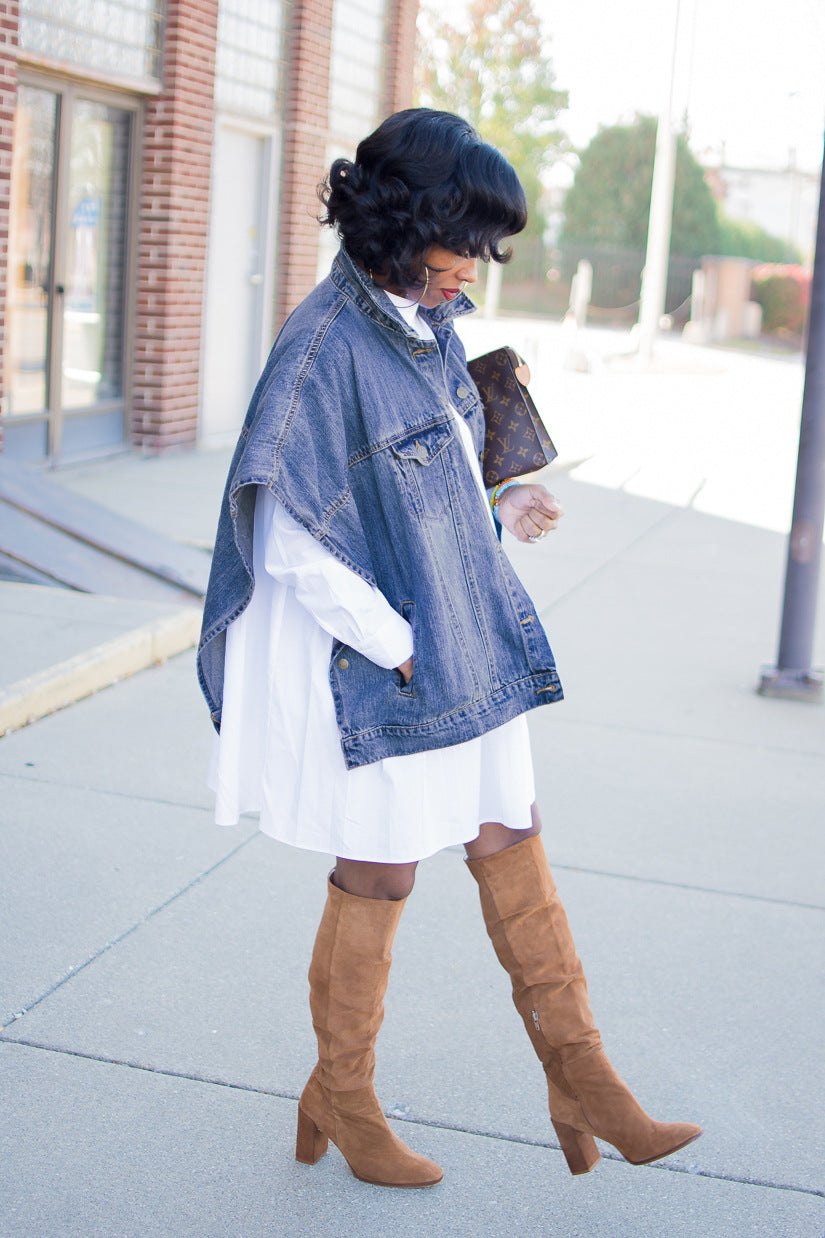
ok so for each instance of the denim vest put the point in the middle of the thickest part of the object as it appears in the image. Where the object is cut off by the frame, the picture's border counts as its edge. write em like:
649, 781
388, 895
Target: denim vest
350, 429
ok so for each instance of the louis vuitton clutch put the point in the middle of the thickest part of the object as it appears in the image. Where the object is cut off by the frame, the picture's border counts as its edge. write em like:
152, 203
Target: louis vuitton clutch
516, 440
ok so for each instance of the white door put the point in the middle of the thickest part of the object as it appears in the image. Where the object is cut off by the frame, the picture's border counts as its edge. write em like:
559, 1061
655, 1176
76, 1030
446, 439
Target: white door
238, 284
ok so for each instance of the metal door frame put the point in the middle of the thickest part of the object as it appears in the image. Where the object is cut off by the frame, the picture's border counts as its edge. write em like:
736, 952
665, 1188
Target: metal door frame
67, 91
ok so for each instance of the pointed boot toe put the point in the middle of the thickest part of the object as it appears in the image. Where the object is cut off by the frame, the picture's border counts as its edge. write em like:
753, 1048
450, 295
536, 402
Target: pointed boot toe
664, 1139
611, 1111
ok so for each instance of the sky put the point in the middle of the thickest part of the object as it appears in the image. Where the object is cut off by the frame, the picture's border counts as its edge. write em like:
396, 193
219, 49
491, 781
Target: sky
750, 74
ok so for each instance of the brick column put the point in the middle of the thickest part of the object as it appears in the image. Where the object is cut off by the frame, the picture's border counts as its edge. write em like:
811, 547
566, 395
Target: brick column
400, 55
8, 98
304, 151
173, 232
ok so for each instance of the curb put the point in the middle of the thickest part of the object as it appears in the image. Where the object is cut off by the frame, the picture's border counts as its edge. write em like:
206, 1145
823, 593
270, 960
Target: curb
66, 682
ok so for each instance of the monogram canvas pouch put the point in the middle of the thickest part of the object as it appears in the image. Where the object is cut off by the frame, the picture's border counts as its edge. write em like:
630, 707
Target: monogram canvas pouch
516, 441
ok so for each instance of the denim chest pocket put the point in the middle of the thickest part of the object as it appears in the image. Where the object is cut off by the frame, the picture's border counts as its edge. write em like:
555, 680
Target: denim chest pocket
428, 478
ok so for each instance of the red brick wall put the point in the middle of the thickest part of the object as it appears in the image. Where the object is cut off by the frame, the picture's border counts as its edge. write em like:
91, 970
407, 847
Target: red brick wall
174, 203
8, 95
304, 151
173, 231
306, 123
400, 54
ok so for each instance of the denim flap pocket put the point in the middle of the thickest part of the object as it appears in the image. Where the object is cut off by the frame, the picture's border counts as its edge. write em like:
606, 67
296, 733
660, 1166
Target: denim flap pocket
424, 470
424, 445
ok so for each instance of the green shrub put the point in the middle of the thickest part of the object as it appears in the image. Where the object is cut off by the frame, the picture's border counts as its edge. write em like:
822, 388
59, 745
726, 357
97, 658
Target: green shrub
784, 292
739, 238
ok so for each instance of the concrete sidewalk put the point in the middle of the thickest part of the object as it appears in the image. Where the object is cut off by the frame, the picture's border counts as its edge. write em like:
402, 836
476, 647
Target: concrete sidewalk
63, 645
155, 1030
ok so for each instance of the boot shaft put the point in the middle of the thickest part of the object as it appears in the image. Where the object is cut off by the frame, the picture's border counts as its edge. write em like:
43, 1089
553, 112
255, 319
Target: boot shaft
531, 935
348, 978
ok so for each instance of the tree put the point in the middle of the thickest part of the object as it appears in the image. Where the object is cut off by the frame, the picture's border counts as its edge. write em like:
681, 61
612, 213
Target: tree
495, 71
745, 239
609, 200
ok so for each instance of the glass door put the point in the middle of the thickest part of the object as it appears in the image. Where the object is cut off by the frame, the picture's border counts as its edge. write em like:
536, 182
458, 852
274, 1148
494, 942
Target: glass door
68, 274
29, 288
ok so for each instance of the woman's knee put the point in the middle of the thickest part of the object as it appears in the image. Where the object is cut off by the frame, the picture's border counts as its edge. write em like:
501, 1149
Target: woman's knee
494, 837
365, 879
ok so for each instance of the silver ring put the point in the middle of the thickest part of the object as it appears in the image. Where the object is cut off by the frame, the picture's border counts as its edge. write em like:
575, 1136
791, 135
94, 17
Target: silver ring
535, 538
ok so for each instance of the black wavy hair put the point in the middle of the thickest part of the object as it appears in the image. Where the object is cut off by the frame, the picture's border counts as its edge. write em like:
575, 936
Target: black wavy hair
422, 178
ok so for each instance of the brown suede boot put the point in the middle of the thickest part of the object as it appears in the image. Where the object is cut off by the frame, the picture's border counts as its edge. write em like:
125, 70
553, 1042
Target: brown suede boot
528, 927
348, 977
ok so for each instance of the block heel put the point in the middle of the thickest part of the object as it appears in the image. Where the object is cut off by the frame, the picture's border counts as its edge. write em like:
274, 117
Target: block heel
579, 1149
311, 1143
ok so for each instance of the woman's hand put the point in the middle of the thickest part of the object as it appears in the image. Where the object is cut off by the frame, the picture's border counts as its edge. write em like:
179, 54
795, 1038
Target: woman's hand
529, 512
406, 670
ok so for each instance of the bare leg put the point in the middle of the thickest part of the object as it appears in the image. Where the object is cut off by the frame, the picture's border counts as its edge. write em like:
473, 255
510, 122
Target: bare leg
391, 882
494, 837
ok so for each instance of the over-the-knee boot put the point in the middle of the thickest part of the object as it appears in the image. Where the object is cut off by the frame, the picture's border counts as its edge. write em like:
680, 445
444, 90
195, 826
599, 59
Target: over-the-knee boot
528, 927
348, 978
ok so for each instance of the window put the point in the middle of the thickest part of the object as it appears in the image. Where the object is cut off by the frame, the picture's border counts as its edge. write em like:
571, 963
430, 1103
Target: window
359, 33
121, 38
248, 72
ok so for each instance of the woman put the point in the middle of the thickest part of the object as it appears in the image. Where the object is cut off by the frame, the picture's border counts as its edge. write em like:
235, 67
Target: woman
368, 653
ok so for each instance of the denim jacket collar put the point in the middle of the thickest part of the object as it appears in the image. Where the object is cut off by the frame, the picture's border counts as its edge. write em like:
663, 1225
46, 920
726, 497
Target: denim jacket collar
374, 302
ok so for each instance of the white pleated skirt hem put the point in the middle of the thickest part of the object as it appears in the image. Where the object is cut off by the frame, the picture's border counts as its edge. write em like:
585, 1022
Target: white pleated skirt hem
399, 810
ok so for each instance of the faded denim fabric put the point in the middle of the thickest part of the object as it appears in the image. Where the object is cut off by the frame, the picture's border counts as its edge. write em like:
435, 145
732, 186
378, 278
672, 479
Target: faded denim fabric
349, 427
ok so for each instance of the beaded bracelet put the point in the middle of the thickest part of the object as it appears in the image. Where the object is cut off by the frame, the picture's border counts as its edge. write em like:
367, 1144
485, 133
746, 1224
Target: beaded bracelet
498, 491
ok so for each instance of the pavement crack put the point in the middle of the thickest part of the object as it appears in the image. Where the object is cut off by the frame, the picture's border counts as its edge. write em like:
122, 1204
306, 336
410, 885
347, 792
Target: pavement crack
691, 737
611, 559
115, 941
693, 1171
693, 889
67, 785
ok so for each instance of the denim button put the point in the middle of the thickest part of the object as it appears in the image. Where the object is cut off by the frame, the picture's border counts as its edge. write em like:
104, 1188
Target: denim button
462, 392
343, 663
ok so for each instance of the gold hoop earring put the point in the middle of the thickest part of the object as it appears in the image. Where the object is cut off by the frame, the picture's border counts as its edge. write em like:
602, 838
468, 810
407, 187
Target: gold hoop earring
423, 292
420, 296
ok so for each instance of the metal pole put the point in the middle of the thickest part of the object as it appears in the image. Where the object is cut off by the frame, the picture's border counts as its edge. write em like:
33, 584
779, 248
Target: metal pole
657, 257
492, 290
793, 676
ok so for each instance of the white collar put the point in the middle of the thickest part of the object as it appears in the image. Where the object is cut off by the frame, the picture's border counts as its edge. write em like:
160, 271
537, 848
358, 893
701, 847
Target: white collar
411, 316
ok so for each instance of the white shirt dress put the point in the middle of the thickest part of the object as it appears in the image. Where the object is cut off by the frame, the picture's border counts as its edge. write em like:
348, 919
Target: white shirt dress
279, 754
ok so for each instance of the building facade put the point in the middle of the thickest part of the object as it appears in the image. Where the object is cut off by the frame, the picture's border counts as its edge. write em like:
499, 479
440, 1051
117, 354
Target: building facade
783, 201
159, 161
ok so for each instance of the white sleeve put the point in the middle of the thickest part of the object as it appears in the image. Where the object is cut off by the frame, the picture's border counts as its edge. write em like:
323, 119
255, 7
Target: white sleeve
345, 606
